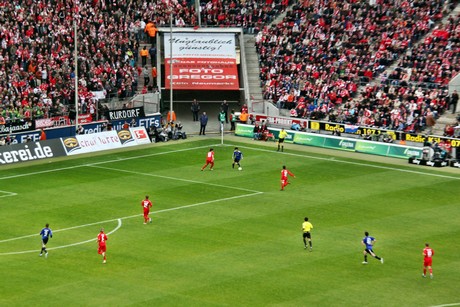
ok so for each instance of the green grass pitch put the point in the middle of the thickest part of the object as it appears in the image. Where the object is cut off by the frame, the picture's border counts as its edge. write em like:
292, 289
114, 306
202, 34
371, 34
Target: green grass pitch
227, 237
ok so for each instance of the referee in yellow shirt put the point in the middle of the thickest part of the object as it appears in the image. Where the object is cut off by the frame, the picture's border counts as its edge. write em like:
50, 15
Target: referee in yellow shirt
306, 228
281, 136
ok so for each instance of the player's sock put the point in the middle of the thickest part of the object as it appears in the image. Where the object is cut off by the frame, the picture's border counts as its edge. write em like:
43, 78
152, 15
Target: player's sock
365, 258
377, 257
233, 165
309, 242
424, 272
282, 148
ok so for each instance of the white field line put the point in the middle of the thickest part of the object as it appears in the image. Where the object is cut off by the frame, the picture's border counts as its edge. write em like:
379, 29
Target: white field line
173, 178
447, 305
7, 194
102, 162
62, 246
356, 163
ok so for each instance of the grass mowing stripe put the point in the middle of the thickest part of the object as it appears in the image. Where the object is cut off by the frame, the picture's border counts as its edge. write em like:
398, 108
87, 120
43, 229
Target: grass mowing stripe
102, 162
137, 215
332, 159
178, 179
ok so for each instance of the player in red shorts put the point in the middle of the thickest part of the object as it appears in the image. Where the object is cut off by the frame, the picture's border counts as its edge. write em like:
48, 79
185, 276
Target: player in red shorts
284, 177
209, 160
101, 238
146, 204
428, 253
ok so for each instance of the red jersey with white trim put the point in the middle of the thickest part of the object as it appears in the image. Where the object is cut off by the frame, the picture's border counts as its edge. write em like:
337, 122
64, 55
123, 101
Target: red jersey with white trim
146, 204
210, 156
101, 238
285, 173
428, 253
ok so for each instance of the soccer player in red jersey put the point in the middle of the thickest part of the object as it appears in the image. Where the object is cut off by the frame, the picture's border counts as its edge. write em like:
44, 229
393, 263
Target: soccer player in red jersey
209, 160
146, 204
284, 177
428, 253
101, 238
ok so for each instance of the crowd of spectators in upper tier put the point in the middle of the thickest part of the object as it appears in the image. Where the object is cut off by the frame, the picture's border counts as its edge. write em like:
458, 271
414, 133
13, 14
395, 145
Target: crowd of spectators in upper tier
37, 74
313, 62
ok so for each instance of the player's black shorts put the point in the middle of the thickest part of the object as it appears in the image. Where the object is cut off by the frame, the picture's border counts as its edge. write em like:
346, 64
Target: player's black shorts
307, 235
369, 250
280, 140
45, 240
236, 160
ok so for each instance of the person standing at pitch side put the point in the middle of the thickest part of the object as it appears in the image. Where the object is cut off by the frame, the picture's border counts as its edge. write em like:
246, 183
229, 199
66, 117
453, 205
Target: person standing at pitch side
203, 123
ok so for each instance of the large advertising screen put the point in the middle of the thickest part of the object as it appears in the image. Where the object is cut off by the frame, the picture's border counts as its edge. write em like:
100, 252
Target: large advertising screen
201, 61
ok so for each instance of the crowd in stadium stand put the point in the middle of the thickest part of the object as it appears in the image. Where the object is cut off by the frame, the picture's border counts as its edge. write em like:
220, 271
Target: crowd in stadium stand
37, 74
250, 15
313, 62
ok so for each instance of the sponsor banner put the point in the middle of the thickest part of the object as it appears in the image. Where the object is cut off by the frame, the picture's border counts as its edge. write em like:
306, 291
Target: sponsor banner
351, 129
54, 121
339, 143
91, 142
31, 151
403, 151
125, 113
126, 138
333, 142
374, 148
85, 118
147, 122
309, 139
17, 127
106, 140
140, 135
244, 130
432, 163
95, 127
201, 61
133, 136
420, 138
287, 122
281, 121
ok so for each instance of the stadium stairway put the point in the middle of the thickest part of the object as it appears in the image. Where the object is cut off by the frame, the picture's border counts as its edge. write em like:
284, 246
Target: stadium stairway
252, 64
446, 119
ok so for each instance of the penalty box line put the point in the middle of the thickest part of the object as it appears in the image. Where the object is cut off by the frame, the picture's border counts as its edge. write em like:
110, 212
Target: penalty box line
58, 247
7, 194
119, 223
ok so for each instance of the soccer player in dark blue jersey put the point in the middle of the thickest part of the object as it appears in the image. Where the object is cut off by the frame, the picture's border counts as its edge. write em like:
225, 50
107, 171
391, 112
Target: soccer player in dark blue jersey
237, 157
368, 242
46, 233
